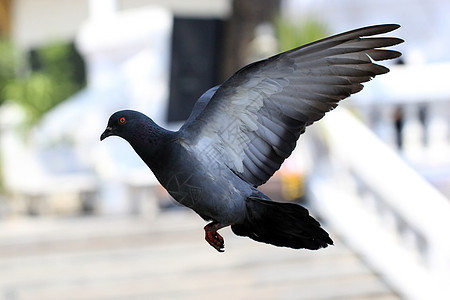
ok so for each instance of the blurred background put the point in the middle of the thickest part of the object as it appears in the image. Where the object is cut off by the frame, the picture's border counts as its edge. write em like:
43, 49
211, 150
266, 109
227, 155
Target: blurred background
80, 219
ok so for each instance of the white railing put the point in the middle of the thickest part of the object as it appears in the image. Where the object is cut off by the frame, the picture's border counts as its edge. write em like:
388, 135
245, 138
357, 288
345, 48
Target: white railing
410, 106
387, 212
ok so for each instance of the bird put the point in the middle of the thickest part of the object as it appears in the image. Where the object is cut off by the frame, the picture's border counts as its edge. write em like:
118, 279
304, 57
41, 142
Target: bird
240, 132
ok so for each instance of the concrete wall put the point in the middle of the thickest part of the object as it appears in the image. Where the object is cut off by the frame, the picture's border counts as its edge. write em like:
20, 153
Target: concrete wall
36, 23
39, 22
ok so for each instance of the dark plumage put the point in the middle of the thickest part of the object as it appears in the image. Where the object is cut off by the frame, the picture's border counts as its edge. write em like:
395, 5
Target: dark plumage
239, 134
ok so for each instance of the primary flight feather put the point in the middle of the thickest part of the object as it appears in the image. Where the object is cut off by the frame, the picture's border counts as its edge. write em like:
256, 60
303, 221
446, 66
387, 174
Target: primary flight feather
239, 134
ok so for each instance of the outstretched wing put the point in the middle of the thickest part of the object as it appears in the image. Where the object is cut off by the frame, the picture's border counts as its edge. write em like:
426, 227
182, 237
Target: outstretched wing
253, 120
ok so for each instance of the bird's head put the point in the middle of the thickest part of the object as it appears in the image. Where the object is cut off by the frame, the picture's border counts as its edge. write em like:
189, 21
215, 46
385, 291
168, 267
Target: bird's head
123, 123
144, 135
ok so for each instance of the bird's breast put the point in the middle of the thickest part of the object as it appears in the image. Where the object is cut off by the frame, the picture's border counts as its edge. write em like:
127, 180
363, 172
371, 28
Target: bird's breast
210, 190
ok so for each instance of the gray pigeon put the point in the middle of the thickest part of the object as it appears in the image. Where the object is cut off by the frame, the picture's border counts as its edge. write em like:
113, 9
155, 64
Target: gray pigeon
239, 134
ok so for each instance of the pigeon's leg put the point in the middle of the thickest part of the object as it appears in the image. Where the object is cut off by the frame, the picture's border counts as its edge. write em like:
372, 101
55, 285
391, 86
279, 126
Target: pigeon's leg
213, 238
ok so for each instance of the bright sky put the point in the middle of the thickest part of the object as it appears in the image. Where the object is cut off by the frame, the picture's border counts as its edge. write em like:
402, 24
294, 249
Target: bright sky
425, 23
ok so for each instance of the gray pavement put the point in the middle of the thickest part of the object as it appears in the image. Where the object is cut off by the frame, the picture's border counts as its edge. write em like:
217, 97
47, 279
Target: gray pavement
165, 257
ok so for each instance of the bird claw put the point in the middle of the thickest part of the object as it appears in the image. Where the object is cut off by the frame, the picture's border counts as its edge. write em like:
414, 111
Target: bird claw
213, 238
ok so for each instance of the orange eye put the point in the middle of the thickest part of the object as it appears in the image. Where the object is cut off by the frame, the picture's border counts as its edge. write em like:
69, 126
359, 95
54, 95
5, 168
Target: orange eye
122, 120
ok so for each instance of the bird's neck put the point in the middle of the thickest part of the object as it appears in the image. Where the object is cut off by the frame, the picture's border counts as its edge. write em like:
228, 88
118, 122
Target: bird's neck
151, 143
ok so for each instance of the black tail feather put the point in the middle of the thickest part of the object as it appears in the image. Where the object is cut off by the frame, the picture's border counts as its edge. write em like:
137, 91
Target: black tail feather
282, 224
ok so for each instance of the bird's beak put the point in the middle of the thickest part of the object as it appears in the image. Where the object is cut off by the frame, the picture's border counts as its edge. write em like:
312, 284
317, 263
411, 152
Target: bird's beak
106, 133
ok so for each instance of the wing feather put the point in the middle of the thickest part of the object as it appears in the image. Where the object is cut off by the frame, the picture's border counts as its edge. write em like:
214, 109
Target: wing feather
253, 120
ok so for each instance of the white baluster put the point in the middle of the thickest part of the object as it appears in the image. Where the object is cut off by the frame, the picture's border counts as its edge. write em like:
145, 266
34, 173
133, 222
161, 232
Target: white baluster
412, 134
438, 132
384, 125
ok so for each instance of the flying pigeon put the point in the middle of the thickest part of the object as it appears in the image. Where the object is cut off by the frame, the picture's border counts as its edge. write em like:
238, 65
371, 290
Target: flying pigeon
240, 132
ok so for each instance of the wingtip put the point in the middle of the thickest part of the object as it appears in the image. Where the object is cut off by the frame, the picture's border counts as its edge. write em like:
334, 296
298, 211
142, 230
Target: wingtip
394, 26
398, 41
378, 29
366, 31
389, 27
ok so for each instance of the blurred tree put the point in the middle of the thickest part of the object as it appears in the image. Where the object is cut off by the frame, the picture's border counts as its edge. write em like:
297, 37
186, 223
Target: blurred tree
240, 29
247, 15
8, 64
5, 17
57, 72
291, 34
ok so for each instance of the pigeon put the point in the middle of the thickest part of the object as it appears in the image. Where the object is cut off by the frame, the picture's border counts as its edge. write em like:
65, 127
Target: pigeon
240, 132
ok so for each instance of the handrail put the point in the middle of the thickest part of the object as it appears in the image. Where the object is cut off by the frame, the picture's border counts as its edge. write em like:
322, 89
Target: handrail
390, 214
408, 84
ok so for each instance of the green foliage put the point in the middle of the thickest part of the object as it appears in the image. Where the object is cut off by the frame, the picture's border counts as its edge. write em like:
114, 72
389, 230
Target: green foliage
8, 64
58, 73
291, 35
34, 93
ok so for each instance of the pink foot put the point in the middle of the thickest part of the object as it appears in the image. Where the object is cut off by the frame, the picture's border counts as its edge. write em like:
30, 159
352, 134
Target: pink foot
213, 238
